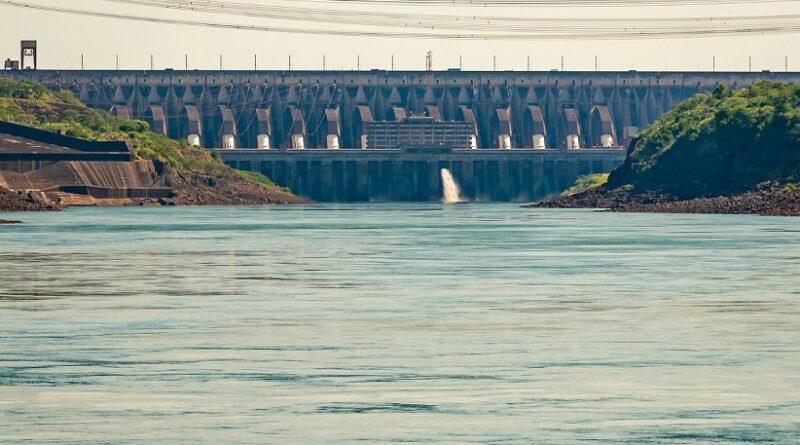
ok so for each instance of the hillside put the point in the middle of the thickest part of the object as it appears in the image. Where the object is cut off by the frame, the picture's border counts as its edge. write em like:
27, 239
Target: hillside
202, 179
722, 152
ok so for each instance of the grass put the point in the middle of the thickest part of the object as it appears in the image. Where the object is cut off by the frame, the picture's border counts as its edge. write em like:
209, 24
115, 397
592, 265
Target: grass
586, 182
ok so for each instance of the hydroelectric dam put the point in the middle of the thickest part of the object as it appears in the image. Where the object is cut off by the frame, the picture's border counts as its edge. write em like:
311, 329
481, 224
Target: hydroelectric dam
385, 135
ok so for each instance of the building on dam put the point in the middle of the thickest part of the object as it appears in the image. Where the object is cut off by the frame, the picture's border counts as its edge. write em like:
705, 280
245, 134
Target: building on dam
368, 135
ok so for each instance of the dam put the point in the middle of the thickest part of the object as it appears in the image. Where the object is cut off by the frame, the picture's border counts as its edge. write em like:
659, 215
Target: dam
400, 175
520, 135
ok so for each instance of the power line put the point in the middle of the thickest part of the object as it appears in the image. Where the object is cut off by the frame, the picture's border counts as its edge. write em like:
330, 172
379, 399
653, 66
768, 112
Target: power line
791, 26
459, 22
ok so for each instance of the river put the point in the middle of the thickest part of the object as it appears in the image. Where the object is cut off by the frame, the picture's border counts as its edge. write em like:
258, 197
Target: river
412, 323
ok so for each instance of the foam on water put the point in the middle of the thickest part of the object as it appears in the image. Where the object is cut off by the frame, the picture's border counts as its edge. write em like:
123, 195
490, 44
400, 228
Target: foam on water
451, 192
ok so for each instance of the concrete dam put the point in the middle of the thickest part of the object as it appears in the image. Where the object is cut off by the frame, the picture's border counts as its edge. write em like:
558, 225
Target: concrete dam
503, 135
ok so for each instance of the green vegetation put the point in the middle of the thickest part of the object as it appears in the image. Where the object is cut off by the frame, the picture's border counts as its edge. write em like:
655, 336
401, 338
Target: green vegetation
586, 182
718, 143
33, 104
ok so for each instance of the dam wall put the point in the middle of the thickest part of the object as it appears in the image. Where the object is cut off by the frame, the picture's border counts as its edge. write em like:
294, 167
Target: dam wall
329, 109
399, 175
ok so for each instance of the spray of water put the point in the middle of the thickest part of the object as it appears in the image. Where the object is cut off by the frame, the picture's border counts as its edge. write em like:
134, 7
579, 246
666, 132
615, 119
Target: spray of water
450, 190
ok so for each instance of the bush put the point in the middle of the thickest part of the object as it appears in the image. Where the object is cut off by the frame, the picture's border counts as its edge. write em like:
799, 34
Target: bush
718, 143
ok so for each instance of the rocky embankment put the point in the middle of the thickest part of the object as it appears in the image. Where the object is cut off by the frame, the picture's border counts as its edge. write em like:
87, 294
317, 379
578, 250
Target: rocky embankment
193, 189
769, 198
24, 202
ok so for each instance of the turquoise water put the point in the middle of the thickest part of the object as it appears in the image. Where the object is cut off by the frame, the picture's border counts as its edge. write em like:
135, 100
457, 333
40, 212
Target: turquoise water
398, 323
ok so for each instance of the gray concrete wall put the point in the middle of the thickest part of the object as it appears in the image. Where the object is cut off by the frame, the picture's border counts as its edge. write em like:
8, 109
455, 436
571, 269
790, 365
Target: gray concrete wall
394, 175
633, 99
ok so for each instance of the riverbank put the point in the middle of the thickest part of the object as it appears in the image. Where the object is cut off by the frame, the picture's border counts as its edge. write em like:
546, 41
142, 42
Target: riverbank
771, 198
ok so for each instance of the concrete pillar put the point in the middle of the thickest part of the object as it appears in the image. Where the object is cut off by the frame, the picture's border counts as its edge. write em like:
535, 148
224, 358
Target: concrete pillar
298, 142
539, 142
332, 142
364, 141
194, 140
262, 141
228, 142
473, 142
606, 141
573, 143
504, 141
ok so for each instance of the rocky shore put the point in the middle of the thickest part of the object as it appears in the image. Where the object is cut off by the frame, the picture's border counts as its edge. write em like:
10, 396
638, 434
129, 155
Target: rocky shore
24, 202
193, 190
771, 198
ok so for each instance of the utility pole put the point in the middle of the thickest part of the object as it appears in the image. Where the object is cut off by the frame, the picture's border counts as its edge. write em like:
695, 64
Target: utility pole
595, 63
714, 64
494, 63
324, 63
429, 61
750, 64
117, 64
186, 62
220, 62
562, 62
152, 62
786, 63
81, 62
392, 62
460, 62
290, 62
358, 62
255, 62
529, 63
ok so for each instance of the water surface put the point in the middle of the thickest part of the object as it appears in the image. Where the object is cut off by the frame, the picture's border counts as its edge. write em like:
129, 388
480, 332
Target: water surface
398, 323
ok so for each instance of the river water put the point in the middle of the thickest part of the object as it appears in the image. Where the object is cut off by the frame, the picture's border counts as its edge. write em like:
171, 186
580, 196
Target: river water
409, 323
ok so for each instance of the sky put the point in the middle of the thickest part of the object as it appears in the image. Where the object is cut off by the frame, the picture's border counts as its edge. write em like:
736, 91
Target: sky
63, 38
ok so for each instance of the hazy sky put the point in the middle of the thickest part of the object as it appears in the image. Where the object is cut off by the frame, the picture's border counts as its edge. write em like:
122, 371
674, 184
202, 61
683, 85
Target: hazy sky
63, 38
